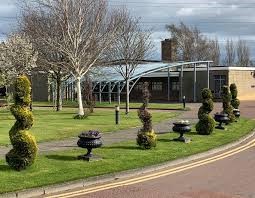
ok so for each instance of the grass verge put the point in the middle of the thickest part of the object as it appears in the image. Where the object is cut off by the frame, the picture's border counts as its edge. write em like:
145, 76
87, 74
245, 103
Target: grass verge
51, 125
57, 167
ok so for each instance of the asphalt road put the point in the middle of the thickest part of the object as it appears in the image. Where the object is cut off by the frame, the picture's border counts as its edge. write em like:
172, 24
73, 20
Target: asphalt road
231, 177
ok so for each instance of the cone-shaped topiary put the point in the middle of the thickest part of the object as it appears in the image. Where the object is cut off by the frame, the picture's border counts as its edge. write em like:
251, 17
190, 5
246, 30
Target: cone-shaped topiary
146, 137
234, 101
206, 123
24, 145
227, 108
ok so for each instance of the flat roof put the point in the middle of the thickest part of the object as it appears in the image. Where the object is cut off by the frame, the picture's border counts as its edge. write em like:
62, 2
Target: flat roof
223, 68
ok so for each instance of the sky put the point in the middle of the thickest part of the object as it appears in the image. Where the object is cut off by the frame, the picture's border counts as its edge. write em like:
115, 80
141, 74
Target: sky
224, 19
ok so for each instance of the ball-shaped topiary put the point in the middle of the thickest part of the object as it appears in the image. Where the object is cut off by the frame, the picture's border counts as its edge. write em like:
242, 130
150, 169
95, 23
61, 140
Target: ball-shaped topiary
24, 145
234, 101
206, 123
227, 108
146, 137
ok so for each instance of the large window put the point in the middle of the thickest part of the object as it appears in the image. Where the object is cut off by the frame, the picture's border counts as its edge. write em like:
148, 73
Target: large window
175, 86
139, 86
157, 86
219, 82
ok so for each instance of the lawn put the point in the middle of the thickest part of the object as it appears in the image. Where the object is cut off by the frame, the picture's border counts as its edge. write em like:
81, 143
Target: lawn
51, 125
57, 167
174, 106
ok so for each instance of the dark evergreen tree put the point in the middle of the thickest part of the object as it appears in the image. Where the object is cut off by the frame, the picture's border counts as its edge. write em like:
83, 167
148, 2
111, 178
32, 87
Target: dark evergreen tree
227, 108
235, 102
206, 123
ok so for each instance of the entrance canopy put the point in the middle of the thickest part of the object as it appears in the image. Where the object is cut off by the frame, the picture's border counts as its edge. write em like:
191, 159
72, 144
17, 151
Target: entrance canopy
110, 73
108, 80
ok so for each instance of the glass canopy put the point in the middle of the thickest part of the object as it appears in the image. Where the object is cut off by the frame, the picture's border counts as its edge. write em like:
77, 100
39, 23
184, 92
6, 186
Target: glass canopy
111, 74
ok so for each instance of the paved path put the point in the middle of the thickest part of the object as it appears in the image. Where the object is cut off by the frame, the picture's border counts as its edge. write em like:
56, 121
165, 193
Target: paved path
109, 138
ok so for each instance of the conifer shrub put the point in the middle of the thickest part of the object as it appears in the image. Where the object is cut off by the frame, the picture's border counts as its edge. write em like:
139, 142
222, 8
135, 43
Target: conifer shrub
235, 102
146, 137
227, 108
24, 144
206, 123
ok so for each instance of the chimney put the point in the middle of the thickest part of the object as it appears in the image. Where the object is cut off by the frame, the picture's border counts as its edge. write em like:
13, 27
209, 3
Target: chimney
168, 50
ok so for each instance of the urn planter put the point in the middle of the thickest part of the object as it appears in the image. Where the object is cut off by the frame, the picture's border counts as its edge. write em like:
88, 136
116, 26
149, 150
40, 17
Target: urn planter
182, 127
221, 118
89, 140
236, 112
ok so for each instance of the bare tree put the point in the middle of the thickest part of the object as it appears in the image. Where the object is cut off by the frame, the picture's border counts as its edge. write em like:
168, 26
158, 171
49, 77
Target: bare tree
215, 51
87, 30
242, 53
49, 59
131, 46
230, 53
192, 45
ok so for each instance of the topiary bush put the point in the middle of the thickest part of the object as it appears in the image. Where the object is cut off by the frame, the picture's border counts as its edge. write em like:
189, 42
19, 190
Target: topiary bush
234, 101
227, 108
146, 137
24, 144
206, 123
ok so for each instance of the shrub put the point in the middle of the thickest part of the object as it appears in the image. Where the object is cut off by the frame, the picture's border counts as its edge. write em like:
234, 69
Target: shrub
146, 137
206, 123
89, 99
24, 144
234, 101
227, 108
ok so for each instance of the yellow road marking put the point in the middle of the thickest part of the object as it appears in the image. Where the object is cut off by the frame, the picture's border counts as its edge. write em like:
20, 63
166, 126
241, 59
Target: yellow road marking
157, 174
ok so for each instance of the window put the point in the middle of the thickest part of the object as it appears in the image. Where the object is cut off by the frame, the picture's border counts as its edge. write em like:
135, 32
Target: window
139, 86
175, 86
156, 86
219, 82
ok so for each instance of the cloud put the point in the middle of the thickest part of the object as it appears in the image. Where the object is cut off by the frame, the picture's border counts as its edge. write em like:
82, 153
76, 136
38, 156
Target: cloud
218, 18
185, 12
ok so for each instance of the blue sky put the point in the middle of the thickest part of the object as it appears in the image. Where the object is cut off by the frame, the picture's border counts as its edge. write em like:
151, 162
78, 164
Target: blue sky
220, 18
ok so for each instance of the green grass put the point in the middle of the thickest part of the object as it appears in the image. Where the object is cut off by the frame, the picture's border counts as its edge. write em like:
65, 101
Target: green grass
174, 106
57, 167
51, 125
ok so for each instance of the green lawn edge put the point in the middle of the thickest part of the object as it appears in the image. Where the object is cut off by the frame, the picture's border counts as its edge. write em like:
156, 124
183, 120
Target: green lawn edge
50, 125
59, 167
135, 105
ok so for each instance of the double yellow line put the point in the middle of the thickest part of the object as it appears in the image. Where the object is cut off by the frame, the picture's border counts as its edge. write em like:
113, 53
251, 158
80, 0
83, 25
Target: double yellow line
157, 174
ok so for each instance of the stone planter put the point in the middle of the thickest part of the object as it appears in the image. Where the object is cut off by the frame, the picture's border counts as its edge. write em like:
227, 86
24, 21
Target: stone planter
89, 140
221, 118
182, 127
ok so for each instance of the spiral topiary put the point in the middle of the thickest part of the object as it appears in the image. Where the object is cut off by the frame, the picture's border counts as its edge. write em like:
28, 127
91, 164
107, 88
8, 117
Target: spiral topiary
24, 145
146, 137
227, 108
234, 101
206, 123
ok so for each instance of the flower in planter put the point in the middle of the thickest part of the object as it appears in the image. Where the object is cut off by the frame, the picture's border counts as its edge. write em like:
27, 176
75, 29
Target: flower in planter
90, 134
182, 122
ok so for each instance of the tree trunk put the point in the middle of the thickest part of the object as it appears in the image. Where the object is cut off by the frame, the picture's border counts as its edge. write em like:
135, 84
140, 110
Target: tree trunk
127, 97
59, 98
79, 97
